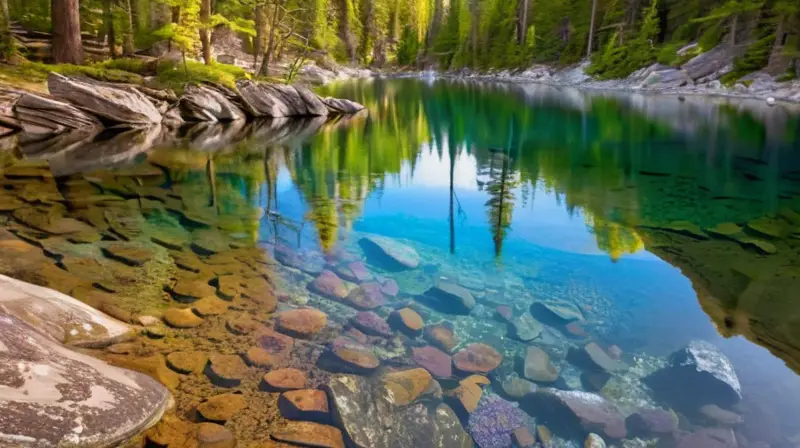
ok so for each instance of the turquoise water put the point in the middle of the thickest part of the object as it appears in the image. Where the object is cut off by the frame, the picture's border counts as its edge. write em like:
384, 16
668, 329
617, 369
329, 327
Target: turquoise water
661, 221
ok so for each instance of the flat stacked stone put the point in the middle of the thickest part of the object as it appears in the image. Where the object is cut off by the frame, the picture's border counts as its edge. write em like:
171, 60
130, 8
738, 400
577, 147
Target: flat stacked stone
477, 358
407, 321
182, 318
281, 380
305, 404
223, 407
303, 323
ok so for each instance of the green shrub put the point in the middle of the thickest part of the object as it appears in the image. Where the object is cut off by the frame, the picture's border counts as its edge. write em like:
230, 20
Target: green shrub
668, 55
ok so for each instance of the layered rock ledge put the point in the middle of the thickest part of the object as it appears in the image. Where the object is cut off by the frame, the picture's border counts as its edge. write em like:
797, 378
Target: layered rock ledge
87, 106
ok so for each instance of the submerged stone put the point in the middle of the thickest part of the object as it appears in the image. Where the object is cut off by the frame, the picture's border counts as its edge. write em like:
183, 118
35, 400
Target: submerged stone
52, 396
182, 318
525, 327
516, 388
345, 355
575, 412
651, 423
407, 321
303, 323
765, 247
329, 285
768, 227
354, 272
212, 435
304, 404
477, 358
368, 296
593, 357
441, 336
451, 298
697, 375
281, 380
559, 311
310, 434
404, 387
389, 253
274, 343
434, 360
185, 290
187, 362
726, 230
372, 324
223, 407
594, 441
537, 366
226, 370
128, 254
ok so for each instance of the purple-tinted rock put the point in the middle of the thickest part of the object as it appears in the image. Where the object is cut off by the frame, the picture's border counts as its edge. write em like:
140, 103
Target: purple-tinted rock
493, 423
329, 285
505, 312
368, 296
651, 422
354, 272
372, 324
390, 288
288, 257
435, 361
708, 438
477, 358
576, 411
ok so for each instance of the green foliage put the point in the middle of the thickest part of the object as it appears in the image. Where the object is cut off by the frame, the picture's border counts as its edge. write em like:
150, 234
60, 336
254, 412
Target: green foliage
668, 55
174, 75
408, 47
619, 61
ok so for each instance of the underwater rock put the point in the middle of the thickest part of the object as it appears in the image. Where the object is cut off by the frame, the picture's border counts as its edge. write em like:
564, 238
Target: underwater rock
465, 397
329, 285
576, 330
477, 358
128, 254
697, 375
310, 434
544, 436
593, 357
52, 396
185, 290
390, 288
242, 324
305, 404
258, 357
505, 312
154, 366
212, 435
651, 423
388, 253
726, 230
354, 272
281, 380
226, 370
372, 324
451, 298
525, 327
449, 432
210, 306
229, 286
538, 367
347, 356
303, 323
523, 438
441, 336
182, 318
404, 387
277, 344
557, 311
768, 227
367, 296
718, 416
187, 362
707, 438
435, 361
223, 407
594, 441
494, 421
60, 316
685, 228
407, 321
576, 412
765, 247
516, 388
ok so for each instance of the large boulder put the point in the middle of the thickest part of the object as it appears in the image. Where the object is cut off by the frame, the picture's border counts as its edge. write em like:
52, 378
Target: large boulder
58, 315
455, 299
370, 417
697, 375
202, 103
389, 253
51, 396
280, 100
342, 106
39, 115
576, 413
114, 103
260, 102
709, 62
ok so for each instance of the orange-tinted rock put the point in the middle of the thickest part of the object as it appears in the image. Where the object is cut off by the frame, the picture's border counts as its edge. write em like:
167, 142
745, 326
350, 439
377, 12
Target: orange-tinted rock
221, 408
185, 290
464, 399
346, 355
281, 380
367, 296
329, 285
407, 321
477, 358
304, 404
274, 342
210, 306
212, 435
441, 336
372, 324
129, 254
182, 318
406, 386
226, 370
242, 325
187, 362
304, 322
258, 357
354, 272
310, 434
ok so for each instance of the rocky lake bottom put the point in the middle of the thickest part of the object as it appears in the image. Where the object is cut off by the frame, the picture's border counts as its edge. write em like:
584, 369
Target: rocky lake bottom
336, 289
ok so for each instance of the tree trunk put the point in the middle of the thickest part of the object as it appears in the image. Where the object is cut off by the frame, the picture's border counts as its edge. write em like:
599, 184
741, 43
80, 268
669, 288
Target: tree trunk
66, 20
591, 30
176, 14
473, 33
436, 23
127, 40
110, 33
734, 25
261, 31
205, 24
264, 70
5, 33
134, 16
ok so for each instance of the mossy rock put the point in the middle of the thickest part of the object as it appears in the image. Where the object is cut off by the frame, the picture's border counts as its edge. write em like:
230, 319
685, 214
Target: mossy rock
769, 227
685, 228
762, 246
726, 230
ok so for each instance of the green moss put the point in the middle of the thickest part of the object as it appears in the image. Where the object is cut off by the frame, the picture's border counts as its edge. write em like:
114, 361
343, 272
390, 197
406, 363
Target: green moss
175, 75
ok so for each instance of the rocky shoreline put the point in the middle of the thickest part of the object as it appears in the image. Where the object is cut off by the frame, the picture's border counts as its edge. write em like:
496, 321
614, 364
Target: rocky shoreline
87, 106
699, 76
